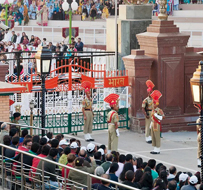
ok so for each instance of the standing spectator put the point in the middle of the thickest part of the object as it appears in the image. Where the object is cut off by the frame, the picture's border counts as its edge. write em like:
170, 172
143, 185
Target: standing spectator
14, 37
50, 169
18, 38
51, 11
93, 14
79, 45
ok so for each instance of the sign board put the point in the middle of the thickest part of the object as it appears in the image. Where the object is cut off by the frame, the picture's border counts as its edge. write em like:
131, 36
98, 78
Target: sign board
110, 82
75, 32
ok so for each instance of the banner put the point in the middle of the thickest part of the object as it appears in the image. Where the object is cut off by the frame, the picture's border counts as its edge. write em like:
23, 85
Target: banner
110, 82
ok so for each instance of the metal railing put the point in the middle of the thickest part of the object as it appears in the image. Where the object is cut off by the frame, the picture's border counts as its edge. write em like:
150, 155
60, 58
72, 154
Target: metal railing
196, 37
93, 36
18, 174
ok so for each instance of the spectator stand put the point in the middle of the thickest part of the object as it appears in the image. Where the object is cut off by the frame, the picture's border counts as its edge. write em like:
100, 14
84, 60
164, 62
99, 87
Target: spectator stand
63, 105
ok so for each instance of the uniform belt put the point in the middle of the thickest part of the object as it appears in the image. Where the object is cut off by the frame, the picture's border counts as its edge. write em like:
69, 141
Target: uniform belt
87, 109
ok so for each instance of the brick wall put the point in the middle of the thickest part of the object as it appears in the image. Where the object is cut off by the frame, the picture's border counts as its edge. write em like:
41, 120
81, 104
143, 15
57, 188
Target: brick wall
4, 111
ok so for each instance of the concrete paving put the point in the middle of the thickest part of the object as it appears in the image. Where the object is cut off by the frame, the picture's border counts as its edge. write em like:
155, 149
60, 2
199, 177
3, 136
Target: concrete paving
178, 149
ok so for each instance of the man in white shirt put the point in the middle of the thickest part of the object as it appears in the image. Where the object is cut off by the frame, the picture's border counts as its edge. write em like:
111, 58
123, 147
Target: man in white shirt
18, 38
7, 36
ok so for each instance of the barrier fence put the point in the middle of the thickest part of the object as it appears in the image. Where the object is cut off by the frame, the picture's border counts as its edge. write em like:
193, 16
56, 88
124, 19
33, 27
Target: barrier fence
22, 176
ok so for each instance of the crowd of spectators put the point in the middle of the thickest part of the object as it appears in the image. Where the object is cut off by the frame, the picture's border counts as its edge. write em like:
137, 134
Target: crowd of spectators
97, 160
12, 42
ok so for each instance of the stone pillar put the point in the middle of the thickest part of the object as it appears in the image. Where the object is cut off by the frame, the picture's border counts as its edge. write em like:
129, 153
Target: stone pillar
166, 45
139, 69
5, 109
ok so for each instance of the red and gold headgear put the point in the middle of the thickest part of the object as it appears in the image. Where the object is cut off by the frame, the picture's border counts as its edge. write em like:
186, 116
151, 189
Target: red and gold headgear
150, 85
156, 95
112, 99
86, 85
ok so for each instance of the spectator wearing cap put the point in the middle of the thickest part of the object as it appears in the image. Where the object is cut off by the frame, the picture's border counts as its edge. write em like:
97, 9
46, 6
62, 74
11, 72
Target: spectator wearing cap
91, 149
74, 147
172, 173
79, 177
109, 160
99, 171
83, 154
4, 131
183, 179
63, 158
62, 145
129, 178
98, 157
192, 182
172, 185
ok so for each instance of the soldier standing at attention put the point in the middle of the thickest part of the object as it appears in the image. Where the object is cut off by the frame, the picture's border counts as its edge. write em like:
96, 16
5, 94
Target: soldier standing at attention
157, 115
87, 111
113, 119
147, 109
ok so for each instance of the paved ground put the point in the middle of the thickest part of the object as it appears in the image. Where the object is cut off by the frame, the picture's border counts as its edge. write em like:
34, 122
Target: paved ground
178, 149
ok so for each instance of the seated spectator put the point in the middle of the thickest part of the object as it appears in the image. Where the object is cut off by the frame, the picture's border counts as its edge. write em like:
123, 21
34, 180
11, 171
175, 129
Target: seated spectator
79, 177
71, 163
36, 139
11, 153
192, 182
25, 41
32, 40
27, 160
172, 185
51, 11
13, 132
104, 185
23, 134
139, 163
138, 175
129, 180
103, 153
4, 131
6, 141
63, 158
183, 180
113, 168
55, 144
197, 174
126, 167
99, 171
62, 145
109, 160
50, 169
35, 161
152, 165
163, 175
159, 184
98, 157
146, 181
27, 143
74, 146
42, 142
83, 154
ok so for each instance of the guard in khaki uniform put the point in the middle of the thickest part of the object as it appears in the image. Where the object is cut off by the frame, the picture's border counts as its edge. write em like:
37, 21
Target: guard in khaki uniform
147, 109
198, 143
113, 119
87, 111
157, 115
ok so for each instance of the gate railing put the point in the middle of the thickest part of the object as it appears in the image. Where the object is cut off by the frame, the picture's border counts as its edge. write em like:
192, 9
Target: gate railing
72, 123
